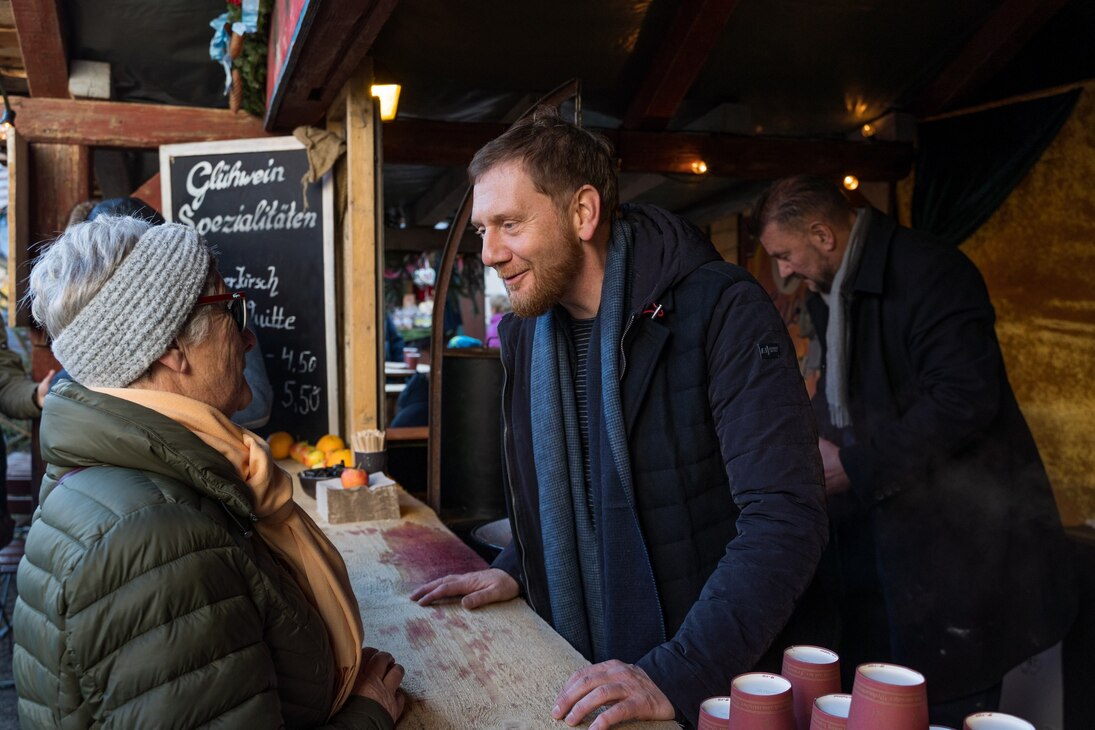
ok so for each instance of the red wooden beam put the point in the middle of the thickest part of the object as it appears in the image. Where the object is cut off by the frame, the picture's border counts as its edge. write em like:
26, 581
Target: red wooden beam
1003, 35
331, 40
42, 44
119, 124
452, 144
679, 60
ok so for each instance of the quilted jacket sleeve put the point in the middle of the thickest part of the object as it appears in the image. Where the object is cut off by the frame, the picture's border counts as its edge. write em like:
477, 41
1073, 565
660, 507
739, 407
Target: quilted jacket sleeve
16, 389
140, 612
768, 442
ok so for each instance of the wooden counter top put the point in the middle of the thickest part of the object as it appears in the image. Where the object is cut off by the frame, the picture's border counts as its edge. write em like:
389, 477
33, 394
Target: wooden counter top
496, 667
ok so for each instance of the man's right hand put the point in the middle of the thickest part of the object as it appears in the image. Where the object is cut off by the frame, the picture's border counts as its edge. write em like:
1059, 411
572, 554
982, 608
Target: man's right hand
477, 589
379, 678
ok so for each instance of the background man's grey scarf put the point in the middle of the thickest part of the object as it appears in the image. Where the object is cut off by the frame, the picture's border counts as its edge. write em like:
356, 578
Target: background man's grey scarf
837, 336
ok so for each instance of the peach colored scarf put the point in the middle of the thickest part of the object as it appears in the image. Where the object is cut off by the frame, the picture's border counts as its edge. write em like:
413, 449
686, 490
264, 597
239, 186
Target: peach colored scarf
312, 560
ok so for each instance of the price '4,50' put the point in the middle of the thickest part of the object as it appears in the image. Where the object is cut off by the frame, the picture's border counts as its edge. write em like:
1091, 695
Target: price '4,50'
294, 362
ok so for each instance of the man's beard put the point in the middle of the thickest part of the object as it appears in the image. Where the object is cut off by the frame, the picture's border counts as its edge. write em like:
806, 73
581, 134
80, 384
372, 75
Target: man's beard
550, 279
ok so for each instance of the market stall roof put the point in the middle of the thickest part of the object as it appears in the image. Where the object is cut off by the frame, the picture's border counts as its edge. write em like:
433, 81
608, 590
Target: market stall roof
760, 88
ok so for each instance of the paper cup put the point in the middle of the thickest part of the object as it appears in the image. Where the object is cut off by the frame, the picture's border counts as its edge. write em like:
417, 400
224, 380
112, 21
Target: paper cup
760, 701
888, 696
995, 721
830, 712
812, 671
715, 714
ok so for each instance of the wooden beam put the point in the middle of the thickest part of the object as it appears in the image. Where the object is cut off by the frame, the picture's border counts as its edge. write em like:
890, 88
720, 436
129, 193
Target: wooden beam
151, 193
680, 58
1002, 36
120, 124
361, 265
442, 199
42, 43
330, 43
452, 144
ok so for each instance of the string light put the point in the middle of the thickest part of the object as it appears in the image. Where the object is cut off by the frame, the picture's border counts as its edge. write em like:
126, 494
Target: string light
699, 167
851, 182
868, 130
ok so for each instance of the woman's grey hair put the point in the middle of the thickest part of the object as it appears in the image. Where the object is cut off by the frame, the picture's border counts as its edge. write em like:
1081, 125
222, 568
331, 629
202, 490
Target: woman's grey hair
71, 271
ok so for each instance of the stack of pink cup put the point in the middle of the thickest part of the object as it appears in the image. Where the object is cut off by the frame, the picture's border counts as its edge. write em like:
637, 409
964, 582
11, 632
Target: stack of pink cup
715, 714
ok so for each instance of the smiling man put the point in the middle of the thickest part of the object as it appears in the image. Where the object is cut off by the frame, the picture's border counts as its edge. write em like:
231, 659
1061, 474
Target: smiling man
951, 551
661, 465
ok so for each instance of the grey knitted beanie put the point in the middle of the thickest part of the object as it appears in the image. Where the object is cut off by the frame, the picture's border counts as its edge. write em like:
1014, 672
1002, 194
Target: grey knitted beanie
140, 309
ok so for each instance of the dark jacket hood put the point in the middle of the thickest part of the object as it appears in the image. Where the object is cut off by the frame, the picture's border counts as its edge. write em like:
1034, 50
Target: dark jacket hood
666, 248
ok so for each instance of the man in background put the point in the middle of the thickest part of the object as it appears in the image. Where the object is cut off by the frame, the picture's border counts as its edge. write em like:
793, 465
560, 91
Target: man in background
661, 464
20, 397
952, 554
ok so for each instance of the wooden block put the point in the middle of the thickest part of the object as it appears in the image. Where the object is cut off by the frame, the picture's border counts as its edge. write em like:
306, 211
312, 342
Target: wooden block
378, 501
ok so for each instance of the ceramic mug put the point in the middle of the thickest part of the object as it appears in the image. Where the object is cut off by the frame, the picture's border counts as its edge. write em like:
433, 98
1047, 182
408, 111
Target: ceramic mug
813, 671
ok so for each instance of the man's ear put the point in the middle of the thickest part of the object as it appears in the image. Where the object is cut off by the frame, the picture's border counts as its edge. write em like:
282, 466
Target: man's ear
587, 212
175, 359
822, 236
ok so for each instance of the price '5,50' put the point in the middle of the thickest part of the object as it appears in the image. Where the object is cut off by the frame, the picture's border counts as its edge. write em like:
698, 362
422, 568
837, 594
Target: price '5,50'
300, 398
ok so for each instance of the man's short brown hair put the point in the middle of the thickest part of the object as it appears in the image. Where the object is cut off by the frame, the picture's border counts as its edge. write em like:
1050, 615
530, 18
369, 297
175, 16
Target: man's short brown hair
560, 157
793, 201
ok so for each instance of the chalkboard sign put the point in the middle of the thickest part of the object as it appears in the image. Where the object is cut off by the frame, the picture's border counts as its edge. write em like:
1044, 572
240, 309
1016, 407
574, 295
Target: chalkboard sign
275, 242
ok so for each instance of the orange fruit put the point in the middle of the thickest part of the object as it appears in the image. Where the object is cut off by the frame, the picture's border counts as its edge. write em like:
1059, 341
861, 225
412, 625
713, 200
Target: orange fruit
340, 456
330, 442
280, 442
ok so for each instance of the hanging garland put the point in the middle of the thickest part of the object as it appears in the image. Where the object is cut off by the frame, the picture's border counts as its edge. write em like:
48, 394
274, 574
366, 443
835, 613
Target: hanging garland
249, 62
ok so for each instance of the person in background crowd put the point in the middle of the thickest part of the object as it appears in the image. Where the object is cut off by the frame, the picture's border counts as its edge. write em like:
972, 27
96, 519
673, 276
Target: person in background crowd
20, 397
168, 578
393, 341
257, 413
500, 305
666, 493
952, 554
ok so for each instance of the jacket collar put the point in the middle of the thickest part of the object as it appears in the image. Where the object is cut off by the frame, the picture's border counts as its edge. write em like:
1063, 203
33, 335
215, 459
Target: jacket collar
876, 249
131, 436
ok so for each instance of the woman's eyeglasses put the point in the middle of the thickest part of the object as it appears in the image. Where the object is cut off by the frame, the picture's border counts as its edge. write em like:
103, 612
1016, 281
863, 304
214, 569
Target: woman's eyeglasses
236, 305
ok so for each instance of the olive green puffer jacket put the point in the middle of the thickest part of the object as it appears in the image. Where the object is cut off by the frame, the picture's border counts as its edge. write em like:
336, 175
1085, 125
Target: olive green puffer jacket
145, 599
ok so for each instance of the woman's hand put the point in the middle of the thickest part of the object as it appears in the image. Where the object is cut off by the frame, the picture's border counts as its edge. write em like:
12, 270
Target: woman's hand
378, 679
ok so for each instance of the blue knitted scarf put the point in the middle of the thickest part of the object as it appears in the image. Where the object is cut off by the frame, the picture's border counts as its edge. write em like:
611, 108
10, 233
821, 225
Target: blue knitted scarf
593, 562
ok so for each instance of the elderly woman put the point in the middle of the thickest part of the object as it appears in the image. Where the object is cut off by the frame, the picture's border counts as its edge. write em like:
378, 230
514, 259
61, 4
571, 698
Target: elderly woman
169, 579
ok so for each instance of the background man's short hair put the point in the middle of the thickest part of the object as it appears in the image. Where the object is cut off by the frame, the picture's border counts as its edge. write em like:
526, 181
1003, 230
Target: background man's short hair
793, 201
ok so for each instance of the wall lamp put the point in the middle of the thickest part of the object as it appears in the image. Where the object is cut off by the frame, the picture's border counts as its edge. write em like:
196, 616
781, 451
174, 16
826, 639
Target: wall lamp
389, 99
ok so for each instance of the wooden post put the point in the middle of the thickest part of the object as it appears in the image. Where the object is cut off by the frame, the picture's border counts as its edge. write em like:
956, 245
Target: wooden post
360, 262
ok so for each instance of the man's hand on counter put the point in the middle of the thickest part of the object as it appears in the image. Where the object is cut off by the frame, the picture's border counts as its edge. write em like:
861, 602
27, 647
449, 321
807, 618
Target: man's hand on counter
475, 589
627, 688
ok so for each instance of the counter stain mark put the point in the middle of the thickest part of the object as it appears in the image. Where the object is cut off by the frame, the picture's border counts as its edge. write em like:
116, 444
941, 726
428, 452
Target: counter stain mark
422, 553
388, 630
475, 642
420, 633
363, 531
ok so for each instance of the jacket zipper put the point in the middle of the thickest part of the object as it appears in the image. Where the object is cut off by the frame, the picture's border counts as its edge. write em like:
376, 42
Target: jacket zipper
623, 339
646, 550
509, 477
